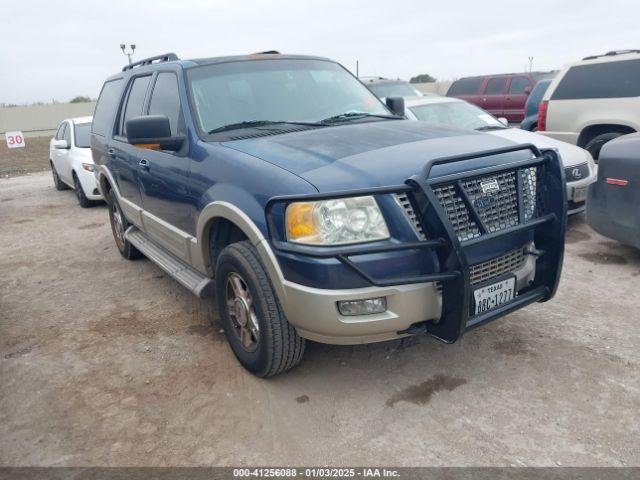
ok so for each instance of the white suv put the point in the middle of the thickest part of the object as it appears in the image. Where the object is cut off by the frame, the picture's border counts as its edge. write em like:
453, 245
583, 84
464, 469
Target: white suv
593, 101
71, 161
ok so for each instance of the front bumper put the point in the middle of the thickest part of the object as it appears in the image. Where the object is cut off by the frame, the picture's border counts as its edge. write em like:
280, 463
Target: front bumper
414, 303
577, 193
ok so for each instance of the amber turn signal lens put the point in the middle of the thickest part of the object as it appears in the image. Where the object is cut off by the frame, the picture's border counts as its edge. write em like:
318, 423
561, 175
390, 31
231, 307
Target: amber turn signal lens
300, 222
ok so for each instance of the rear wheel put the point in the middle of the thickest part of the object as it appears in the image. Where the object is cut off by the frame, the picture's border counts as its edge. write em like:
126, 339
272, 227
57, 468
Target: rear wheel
59, 184
255, 326
80, 195
119, 226
595, 144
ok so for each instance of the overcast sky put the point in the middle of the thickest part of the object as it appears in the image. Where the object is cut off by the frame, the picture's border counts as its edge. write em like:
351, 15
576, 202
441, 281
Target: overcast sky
57, 50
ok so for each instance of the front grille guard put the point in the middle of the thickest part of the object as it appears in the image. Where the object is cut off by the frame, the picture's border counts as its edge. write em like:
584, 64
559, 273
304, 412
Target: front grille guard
548, 229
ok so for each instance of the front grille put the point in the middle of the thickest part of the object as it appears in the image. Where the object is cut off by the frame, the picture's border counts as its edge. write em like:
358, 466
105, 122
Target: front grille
577, 172
509, 262
496, 210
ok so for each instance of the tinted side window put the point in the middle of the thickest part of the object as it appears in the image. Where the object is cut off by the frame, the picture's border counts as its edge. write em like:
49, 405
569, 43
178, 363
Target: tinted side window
106, 107
465, 86
600, 80
165, 100
495, 86
518, 84
135, 101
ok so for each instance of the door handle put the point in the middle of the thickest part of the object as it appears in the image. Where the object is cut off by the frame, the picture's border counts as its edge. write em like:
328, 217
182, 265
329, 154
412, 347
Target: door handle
111, 152
144, 164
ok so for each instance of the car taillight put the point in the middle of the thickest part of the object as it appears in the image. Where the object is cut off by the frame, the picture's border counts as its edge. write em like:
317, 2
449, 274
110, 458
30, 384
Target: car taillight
542, 115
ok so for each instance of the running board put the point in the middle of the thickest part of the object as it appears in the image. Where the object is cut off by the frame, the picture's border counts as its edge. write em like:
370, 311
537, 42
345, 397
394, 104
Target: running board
183, 273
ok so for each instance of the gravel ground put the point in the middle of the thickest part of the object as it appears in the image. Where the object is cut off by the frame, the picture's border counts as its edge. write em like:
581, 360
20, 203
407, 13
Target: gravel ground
109, 362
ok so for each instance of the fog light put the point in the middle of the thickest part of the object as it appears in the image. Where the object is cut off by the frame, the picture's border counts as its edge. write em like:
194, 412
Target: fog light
367, 306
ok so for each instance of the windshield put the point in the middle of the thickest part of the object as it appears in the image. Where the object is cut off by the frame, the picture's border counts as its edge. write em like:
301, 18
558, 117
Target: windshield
456, 114
283, 90
393, 89
82, 134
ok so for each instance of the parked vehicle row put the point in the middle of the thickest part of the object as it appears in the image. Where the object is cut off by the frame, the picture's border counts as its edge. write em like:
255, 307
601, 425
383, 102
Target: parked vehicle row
314, 210
501, 95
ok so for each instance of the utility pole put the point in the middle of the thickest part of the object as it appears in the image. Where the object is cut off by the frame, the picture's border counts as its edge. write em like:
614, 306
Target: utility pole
123, 48
530, 64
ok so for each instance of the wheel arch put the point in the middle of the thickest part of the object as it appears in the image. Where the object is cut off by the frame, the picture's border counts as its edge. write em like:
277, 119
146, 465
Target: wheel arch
229, 223
589, 132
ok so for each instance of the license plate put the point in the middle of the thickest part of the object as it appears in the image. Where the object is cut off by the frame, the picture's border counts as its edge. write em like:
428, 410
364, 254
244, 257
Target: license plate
495, 294
579, 194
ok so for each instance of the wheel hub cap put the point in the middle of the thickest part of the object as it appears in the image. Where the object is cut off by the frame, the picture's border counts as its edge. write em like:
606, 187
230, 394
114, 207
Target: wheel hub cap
242, 313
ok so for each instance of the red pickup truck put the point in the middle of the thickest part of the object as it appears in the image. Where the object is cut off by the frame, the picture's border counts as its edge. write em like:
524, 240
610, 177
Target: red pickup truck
501, 95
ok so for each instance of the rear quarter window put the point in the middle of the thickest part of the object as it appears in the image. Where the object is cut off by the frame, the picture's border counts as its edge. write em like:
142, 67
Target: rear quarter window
600, 80
465, 86
104, 114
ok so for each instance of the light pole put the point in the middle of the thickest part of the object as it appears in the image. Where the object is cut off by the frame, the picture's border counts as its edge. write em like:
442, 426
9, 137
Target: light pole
123, 47
530, 64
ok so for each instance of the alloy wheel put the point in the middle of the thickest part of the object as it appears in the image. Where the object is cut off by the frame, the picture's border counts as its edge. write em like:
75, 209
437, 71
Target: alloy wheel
242, 313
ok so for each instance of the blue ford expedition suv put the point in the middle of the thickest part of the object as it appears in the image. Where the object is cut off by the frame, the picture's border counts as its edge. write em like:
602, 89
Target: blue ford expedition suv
283, 187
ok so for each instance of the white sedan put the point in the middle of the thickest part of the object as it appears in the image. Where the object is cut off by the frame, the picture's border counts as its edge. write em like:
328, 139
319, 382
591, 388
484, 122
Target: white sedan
71, 162
580, 169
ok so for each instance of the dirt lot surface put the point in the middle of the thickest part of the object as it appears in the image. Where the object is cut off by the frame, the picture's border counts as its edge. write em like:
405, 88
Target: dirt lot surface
34, 157
109, 362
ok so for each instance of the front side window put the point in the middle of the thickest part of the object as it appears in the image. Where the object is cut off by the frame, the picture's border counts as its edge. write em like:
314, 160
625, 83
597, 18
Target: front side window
135, 101
60, 132
518, 85
456, 114
67, 134
165, 100
600, 80
82, 134
288, 90
106, 107
495, 86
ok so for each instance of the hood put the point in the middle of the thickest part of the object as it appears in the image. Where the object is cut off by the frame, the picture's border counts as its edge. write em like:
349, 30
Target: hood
372, 154
569, 154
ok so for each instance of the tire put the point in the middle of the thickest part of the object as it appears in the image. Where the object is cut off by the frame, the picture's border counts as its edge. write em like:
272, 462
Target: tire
269, 344
59, 184
119, 225
595, 144
80, 195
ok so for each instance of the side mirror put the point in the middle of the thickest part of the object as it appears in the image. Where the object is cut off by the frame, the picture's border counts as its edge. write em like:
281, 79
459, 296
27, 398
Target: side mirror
396, 105
503, 121
61, 145
152, 132
527, 90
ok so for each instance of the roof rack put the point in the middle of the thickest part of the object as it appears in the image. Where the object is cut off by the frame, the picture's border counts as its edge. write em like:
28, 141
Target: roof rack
612, 53
267, 52
165, 57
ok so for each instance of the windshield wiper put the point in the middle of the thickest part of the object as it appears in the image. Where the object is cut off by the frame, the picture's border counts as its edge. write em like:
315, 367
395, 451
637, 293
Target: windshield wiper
484, 128
260, 123
345, 117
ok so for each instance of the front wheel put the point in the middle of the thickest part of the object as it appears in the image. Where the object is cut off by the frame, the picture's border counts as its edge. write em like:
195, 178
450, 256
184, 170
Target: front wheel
119, 226
255, 326
80, 195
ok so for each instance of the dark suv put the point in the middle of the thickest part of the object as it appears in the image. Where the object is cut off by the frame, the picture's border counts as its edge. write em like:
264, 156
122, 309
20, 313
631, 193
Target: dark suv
501, 95
311, 210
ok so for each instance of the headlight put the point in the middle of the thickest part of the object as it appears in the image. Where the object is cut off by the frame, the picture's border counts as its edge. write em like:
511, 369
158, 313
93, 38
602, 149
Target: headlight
335, 222
89, 167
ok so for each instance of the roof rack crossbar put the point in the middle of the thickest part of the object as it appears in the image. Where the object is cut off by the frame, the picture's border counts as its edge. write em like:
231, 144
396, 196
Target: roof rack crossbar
165, 57
267, 52
612, 53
